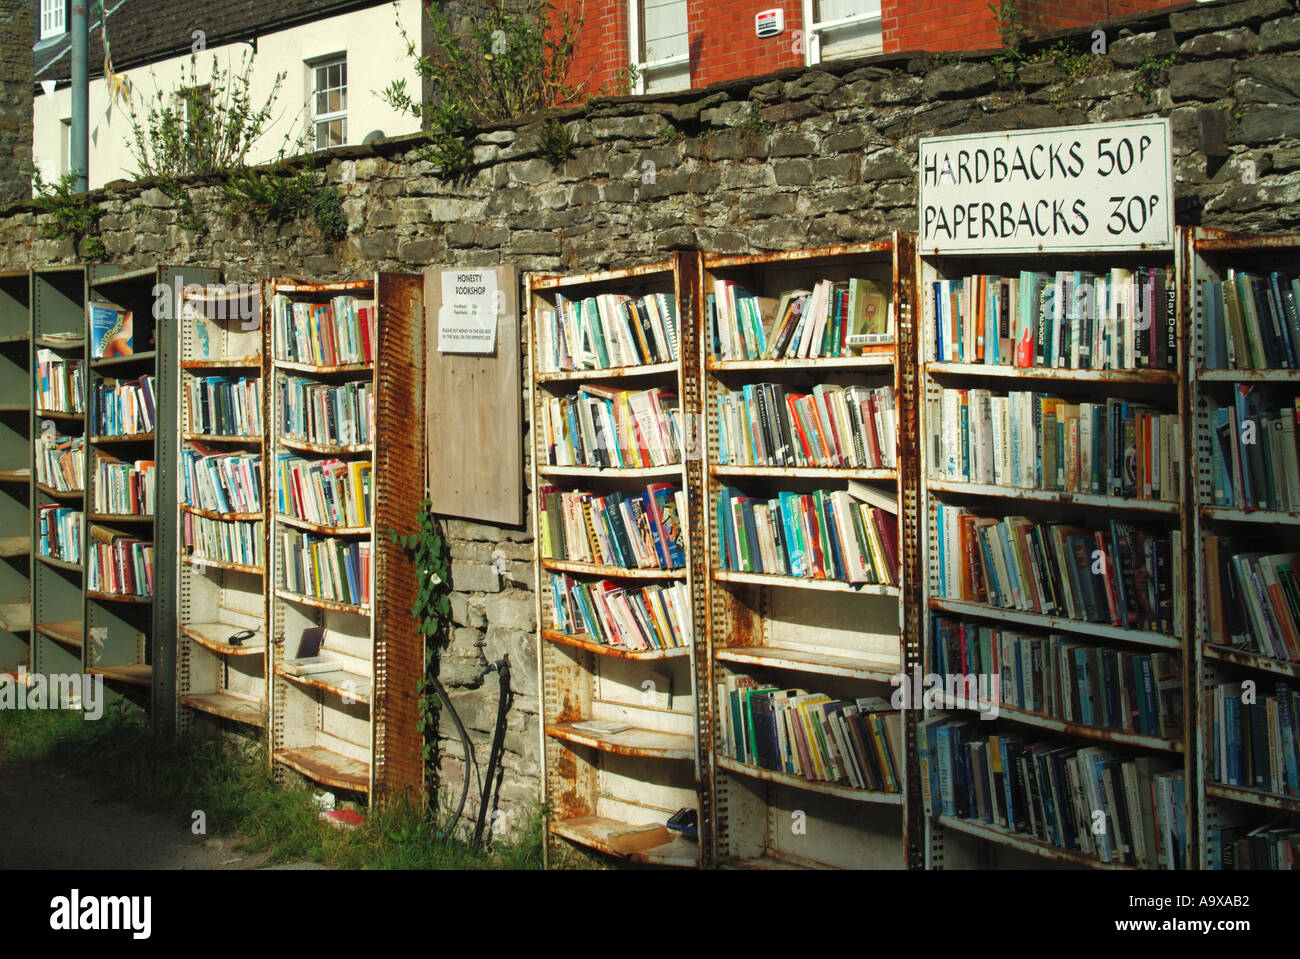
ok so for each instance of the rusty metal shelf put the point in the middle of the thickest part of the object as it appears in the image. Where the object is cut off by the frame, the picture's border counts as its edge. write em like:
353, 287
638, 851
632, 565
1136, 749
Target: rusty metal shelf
807, 472
58, 563
61, 494
614, 652
15, 617
200, 563
612, 572
135, 598
214, 636
20, 475
68, 632
325, 449
326, 767
228, 705
1254, 797
339, 681
60, 415
319, 603
804, 582
324, 370
1102, 733
957, 488
1248, 376
881, 360
321, 527
808, 661
131, 674
1147, 377
246, 440
594, 831
608, 373
1242, 657
1004, 837
595, 472
13, 546
231, 363
120, 517
1044, 621
838, 790
646, 743
225, 517
115, 438
1231, 514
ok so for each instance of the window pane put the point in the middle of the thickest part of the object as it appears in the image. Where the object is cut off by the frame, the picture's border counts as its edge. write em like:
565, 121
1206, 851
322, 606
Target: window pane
839, 9
322, 101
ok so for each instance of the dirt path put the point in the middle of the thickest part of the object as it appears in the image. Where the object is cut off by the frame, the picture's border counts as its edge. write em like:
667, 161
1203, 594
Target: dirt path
53, 818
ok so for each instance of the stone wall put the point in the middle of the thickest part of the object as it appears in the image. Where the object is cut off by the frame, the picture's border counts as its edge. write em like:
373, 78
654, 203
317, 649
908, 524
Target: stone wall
16, 85
802, 158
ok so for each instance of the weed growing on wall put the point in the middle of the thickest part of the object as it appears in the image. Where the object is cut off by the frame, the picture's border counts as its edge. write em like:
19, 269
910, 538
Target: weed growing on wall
71, 215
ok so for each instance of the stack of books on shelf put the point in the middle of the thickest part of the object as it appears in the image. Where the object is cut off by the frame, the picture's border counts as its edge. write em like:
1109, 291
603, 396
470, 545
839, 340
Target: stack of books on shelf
768, 424
59, 533
1254, 453
326, 415
1055, 793
631, 530
223, 405
61, 462
325, 492
213, 540
629, 617
1119, 574
222, 482
1063, 677
607, 331
833, 319
1251, 321
1252, 599
60, 383
618, 429
336, 333
326, 568
1274, 845
846, 535
1256, 739
122, 408
122, 487
119, 564
858, 743
1041, 441
1121, 319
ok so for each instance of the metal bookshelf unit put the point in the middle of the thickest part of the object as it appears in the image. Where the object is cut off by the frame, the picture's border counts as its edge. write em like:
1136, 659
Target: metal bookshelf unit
819, 635
1241, 812
221, 601
353, 728
602, 785
978, 839
15, 471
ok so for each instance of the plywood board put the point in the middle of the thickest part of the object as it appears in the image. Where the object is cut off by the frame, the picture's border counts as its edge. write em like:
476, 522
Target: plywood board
474, 414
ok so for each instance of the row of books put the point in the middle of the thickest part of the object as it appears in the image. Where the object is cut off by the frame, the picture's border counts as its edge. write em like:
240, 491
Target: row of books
1093, 800
1073, 319
767, 424
327, 568
60, 383
633, 530
210, 539
224, 482
1274, 845
122, 408
606, 331
1040, 441
1251, 321
1256, 739
1252, 597
1116, 573
657, 616
1254, 456
1065, 678
835, 318
827, 534
329, 492
339, 332
59, 530
61, 462
328, 415
119, 564
124, 487
613, 429
811, 735
224, 405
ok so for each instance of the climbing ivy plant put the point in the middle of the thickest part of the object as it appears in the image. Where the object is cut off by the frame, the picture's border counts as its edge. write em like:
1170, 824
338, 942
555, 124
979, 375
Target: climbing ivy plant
431, 554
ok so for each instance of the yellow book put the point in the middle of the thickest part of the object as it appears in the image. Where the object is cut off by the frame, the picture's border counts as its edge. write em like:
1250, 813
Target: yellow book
360, 475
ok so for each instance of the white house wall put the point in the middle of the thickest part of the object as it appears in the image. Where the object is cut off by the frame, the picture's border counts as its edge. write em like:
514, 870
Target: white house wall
376, 56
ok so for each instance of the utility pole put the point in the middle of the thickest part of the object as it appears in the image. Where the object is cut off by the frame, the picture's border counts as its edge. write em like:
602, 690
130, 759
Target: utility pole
80, 97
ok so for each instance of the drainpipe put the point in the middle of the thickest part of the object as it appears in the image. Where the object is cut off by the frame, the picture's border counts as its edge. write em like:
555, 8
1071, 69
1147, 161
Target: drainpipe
80, 160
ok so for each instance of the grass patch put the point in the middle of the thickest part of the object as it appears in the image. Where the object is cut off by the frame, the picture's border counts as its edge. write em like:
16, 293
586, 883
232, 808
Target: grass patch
228, 779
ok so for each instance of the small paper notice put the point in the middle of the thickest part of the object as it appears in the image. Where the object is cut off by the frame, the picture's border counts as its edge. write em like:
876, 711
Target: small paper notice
467, 319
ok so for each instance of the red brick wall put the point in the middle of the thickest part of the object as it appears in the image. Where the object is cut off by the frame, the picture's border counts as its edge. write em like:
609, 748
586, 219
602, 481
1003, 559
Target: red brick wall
724, 47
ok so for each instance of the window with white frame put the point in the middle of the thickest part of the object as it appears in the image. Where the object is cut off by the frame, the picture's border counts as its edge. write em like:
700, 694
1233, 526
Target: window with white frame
660, 45
53, 18
329, 102
841, 28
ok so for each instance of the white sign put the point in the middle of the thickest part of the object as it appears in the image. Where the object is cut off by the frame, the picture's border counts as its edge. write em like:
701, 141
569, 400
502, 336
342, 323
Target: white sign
1103, 186
467, 319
